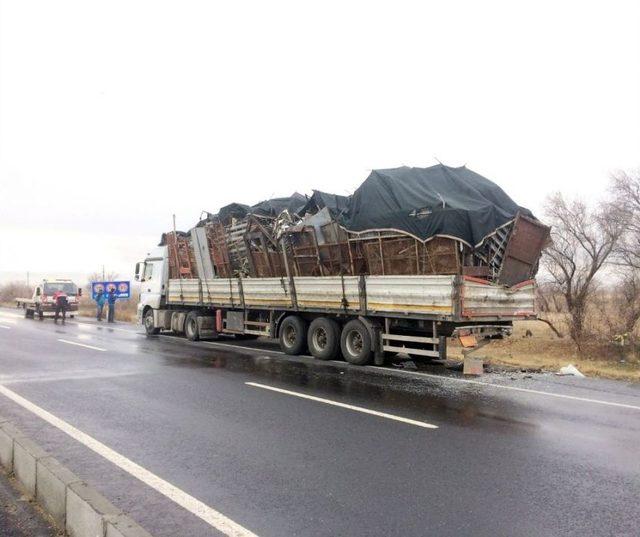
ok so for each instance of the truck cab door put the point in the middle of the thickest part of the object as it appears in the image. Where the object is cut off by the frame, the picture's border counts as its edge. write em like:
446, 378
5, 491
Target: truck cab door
152, 283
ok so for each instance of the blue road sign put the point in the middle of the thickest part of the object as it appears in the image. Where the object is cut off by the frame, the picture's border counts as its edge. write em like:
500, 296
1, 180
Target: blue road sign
123, 289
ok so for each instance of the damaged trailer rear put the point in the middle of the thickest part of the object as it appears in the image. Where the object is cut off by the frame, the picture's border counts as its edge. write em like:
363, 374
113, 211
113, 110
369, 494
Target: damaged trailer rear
413, 253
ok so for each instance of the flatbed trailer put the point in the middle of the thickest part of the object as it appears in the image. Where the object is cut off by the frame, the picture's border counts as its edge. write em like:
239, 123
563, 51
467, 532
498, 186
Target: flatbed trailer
364, 318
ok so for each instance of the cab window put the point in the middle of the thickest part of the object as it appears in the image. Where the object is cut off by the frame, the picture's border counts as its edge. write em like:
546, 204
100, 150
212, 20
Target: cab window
148, 271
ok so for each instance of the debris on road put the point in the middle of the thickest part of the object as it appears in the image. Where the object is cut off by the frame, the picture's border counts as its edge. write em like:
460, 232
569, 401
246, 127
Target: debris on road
570, 370
473, 366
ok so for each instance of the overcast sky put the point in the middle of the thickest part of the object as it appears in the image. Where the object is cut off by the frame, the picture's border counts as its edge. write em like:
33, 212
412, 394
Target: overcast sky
115, 115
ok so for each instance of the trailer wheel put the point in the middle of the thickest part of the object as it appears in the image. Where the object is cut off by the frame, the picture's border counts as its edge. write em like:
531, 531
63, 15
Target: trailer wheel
356, 343
147, 320
293, 335
191, 326
324, 338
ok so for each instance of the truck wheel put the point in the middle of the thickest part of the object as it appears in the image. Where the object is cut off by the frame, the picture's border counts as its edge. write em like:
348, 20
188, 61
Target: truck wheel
293, 335
324, 338
40, 313
356, 343
191, 326
148, 324
28, 313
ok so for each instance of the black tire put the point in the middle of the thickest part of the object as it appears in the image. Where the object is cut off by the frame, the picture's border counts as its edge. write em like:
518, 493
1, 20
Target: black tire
323, 338
28, 313
40, 313
293, 335
147, 321
355, 343
191, 329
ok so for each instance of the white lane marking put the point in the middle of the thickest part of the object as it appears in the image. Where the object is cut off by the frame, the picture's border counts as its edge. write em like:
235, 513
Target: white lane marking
9, 321
82, 345
514, 388
193, 505
344, 405
5, 327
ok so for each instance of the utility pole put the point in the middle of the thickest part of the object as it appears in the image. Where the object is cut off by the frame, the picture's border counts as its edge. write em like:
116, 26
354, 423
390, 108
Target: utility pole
102, 272
28, 279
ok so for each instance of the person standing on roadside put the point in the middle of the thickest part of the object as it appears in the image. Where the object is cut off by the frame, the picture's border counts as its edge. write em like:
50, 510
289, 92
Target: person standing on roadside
100, 300
111, 301
60, 301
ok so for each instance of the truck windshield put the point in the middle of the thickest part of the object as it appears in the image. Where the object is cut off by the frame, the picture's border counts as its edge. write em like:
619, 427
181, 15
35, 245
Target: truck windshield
66, 287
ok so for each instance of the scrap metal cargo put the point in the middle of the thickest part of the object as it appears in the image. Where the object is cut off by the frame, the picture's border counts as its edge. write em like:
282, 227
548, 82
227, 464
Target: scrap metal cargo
415, 255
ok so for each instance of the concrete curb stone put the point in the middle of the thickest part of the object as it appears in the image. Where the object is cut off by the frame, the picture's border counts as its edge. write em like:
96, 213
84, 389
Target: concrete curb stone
25, 457
53, 479
86, 509
8, 433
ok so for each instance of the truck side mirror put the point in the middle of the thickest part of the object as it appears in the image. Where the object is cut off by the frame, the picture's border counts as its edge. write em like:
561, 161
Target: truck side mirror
137, 275
38, 291
79, 291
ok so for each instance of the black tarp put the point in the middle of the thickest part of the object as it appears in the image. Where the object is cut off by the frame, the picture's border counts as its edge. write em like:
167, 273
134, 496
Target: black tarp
274, 206
271, 207
233, 210
336, 203
425, 202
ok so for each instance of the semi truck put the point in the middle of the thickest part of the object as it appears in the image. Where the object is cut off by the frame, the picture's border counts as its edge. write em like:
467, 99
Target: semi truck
414, 256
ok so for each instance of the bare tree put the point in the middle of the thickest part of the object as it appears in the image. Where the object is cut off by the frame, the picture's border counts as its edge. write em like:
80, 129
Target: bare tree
108, 277
583, 240
97, 277
625, 187
628, 291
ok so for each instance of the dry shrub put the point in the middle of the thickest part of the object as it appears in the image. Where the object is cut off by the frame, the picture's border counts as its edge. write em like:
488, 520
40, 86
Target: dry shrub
12, 290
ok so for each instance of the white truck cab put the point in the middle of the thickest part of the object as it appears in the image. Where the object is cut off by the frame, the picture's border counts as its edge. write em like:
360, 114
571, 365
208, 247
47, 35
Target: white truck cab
153, 275
42, 302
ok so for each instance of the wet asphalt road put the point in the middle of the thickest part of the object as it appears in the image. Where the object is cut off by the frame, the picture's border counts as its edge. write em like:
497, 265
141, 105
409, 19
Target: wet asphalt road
502, 461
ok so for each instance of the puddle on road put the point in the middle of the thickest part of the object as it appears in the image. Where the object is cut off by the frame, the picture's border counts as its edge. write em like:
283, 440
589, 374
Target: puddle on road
423, 397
